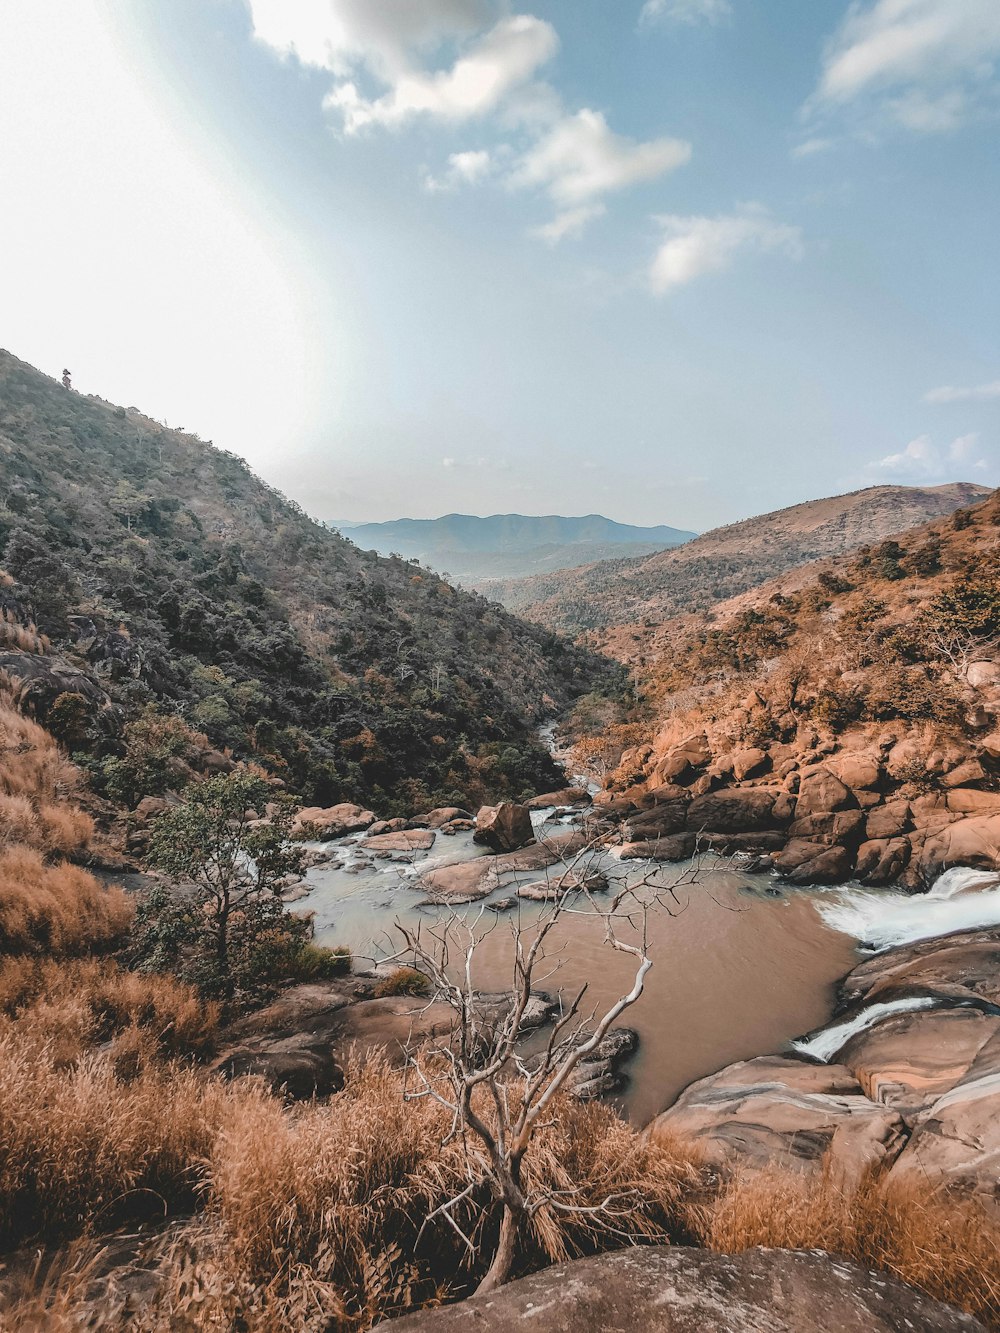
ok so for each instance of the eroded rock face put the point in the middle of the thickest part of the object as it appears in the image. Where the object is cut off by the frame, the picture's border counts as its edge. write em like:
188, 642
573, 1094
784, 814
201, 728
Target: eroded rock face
679, 1290
504, 827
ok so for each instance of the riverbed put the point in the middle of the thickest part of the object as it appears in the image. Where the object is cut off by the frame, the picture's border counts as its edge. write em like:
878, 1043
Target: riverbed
740, 966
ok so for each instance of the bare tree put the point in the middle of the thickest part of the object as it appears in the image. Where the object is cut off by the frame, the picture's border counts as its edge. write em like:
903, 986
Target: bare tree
498, 1096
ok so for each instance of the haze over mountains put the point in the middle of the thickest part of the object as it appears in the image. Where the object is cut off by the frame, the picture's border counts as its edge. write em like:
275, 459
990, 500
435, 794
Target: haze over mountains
504, 546
726, 561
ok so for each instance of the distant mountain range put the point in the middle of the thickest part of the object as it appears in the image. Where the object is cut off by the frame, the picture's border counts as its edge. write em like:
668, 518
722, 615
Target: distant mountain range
724, 562
509, 545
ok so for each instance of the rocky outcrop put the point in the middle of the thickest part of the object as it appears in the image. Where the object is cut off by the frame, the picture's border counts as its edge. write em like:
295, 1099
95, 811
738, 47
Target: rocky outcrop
678, 1290
905, 1079
504, 827
468, 881
564, 796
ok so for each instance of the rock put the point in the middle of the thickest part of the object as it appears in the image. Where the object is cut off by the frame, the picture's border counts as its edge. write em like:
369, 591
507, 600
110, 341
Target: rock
436, 819
888, 821
807, 862
882, 861
408, 840
504, 827
775, 1111
767, 840
748, 763
908, 1059
957, 1137
502, 905
973, 842
659, 1289
467, 881
494, 1007
386, 826
296, 1067
151, 807
990, 745
564, 796
550, 890
961, 966
858, 771
681, 761
820, 790
981, 675
674, 847
664, 818
332, 821
964, 801
739, 810
966, 774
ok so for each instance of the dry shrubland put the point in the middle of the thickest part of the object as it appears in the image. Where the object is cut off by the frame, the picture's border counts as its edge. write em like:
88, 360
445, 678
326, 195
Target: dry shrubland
37, 786
948, 1246
56, 909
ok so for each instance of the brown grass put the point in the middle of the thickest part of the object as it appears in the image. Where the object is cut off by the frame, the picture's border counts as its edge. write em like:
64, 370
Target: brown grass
56, 909
948, 1246
38, 785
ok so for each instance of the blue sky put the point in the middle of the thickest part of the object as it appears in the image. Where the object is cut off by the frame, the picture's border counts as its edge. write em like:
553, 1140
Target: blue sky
677, 263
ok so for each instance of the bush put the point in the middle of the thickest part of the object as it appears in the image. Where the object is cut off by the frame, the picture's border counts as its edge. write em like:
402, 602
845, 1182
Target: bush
404, 981
315, 962
56, 909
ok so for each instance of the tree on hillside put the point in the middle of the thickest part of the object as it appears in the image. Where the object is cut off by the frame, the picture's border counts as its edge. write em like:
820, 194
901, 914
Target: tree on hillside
500, 1098
222, 923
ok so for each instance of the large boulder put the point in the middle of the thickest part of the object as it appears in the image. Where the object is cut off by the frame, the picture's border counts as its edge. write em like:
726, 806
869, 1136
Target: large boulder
333, 821
550, 890
963, 966
806, 862
468, 881
664, 818
407, 840
974, 842
504, 827
891, 820
564, 796
774, 1111
821, 790
882, 861
647, 1289
740, 810
296, 1067
444, 814
673, 847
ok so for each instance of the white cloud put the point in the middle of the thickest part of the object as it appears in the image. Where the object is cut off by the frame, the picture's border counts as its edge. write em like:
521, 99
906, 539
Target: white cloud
686, 11
922, 460
570, 222
695, 246
581, 158
928, 60
810, 147
388, 40
468, 168
950, 393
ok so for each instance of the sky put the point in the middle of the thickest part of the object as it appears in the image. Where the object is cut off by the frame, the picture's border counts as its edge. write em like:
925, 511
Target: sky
673, 261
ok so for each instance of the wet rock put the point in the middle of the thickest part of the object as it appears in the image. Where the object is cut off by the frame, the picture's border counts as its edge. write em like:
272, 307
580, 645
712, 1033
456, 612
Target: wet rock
601, 1073
774, 1111
674, 847
806, 862
502, 905
408, 840
435, 819
494, 1007
386, 826
504, 827
679, 1290
974, 842
550, 890
960, 966
468, 881
882, 861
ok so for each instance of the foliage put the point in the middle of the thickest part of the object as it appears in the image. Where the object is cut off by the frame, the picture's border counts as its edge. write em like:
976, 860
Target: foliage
222, 924
152, 763
403, 981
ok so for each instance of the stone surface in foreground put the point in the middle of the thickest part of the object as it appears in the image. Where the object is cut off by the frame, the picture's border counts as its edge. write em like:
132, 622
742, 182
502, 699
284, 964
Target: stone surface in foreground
679, 1290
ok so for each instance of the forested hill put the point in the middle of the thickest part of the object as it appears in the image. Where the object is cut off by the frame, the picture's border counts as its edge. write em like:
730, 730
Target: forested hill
181, 585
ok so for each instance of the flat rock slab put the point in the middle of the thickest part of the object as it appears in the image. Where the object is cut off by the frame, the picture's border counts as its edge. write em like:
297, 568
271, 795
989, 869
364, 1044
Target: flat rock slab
564, 796
468, 881
408, 840
551, 890
964, 965
680, 1290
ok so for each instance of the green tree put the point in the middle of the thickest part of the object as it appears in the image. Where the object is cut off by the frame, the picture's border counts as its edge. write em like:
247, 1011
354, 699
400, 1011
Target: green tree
222, 924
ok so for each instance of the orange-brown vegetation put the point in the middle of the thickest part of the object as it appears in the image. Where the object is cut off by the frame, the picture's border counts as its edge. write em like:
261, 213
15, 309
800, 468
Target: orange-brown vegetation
37, 786
941, 1243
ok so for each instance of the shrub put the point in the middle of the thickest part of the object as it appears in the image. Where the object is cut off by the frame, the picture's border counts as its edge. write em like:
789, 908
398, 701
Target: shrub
58, 909
404, 981
315, 962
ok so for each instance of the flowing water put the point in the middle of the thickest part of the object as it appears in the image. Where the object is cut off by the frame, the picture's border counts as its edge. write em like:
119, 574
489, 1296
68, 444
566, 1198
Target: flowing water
741, 965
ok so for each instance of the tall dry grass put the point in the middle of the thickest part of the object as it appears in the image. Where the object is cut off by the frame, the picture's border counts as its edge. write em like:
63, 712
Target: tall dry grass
56, 909
38, 785
943, 1243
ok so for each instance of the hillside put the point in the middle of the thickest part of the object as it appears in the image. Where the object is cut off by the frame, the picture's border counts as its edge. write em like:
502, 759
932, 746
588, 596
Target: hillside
166, 577
510, 545
841, 721
726, 561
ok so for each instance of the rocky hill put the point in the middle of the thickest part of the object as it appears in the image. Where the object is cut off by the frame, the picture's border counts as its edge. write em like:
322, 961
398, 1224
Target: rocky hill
726, 561
169, 583
845, 724
472, 549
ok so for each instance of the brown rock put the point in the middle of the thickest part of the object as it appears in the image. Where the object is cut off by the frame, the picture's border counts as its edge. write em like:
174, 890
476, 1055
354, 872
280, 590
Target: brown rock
737, 810
679, 1290
882, 861
673, 847
968, 774
749, 763
973, 842
504, 827
807, 862
564, 796
407, 840
856, 770
990, 745
386, 826
964, 801
332, 821
664, 818
822, 790
549, 890
889, 820
774, 1111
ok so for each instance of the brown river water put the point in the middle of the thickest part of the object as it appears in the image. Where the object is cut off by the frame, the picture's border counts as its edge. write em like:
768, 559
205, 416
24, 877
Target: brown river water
740, 965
